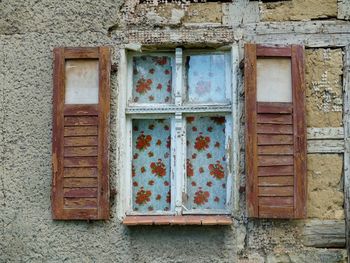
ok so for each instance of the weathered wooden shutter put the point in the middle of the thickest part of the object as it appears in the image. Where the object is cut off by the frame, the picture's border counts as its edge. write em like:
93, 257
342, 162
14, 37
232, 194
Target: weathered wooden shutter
80, 184
275, 140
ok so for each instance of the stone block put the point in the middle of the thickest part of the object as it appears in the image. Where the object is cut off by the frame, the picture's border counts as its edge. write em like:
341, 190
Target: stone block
325, 194
298, 10
203, 13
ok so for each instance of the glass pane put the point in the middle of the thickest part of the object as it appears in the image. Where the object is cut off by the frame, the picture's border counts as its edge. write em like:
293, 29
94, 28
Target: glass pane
152, 79
274, 80
207, 77
81, 81
151, 165
205, 164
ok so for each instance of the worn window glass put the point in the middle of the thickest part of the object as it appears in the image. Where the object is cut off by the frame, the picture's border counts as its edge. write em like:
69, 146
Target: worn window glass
151, 165
274, 80
206, 162
81, 81
152, 79
207, 77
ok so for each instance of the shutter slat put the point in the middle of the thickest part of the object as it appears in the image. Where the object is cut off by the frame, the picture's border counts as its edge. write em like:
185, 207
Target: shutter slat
80, 182
80, 172
80, 162
276, 180
73, 202
80, 131
275, 118
276, 191
275, 107
275, 149
80, 141
276, 201
275, 140
276, 211
80, 151
80, 144
276, 160
80, 192
80, 121
79, 213
276, 170
80, 109
275, 129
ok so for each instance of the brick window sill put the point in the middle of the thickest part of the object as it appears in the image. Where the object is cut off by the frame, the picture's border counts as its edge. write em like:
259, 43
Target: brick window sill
177, 220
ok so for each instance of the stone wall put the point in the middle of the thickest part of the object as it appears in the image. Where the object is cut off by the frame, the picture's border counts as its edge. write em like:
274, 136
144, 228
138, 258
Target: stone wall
29, 30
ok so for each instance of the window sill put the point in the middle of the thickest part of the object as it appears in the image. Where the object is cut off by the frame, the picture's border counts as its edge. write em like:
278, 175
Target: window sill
177, 220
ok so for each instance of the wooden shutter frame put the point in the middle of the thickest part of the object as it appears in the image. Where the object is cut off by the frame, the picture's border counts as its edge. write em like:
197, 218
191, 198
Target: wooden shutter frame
296, 53
102, 109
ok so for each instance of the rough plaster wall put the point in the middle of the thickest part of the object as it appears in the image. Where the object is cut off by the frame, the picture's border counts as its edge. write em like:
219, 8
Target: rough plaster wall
174, 15
325, 187
298, 10
323, 76
20, 17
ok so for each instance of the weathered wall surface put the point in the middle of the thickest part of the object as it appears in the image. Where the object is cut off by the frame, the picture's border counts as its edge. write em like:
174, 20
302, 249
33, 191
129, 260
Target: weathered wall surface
299, 10
28, 32
325, 192
323, 75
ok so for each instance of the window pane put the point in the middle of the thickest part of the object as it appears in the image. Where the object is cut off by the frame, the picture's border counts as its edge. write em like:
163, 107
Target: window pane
81, 81
274, 80
152, 79
151, 165
205, 164
207, 77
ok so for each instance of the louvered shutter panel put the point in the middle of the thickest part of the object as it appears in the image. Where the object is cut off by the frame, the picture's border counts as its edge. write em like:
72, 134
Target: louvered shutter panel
275, 139
80, 185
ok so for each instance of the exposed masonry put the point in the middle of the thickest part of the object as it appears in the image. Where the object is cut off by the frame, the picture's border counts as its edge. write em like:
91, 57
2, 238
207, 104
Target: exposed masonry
28, 35
330, 100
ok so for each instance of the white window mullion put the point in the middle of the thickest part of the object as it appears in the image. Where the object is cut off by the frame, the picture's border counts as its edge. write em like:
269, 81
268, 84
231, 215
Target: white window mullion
178, 77
173, 165
235, 126
229, 160
179, 162
179, 134
128, 165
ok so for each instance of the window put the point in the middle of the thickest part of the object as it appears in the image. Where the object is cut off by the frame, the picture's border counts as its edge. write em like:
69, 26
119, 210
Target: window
178, 134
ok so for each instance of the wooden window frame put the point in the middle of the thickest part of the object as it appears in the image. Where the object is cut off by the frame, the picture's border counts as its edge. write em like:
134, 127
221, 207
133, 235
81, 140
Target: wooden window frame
296, 53
177, 112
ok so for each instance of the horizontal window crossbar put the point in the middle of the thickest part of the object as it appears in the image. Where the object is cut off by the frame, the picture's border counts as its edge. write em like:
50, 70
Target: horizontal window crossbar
179, 109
